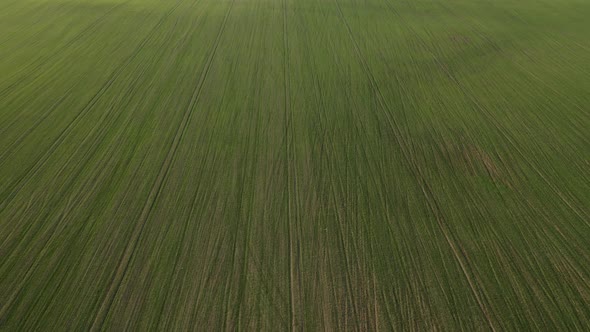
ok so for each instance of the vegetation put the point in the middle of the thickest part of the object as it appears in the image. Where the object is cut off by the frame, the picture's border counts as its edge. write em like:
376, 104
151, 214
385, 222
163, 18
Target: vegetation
294, 164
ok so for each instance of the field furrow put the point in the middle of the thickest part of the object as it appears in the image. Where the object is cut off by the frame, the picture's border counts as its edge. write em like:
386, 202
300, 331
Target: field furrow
263, 165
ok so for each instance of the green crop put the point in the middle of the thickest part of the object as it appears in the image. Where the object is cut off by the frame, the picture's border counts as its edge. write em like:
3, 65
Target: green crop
294, 165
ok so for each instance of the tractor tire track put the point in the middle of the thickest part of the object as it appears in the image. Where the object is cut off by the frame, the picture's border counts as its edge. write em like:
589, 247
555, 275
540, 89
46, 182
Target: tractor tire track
17, 185
156, 189
291, 186
326, 139
27, 132
185, 240
457, 250
93, 138
53, 231
372, 175
507, 137
582, 215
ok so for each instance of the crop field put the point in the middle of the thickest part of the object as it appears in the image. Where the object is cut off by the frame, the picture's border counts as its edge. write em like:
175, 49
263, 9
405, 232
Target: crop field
294, 165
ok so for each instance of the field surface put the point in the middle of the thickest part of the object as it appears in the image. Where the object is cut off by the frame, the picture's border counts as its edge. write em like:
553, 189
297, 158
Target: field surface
294, 165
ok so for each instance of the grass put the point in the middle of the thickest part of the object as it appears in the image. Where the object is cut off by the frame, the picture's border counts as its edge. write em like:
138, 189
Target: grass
311, 164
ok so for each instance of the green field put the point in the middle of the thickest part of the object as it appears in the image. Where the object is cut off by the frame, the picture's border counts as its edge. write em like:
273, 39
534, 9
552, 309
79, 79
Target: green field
294, 165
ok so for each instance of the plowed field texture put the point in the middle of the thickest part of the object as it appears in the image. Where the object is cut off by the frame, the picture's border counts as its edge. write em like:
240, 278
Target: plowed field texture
272, 165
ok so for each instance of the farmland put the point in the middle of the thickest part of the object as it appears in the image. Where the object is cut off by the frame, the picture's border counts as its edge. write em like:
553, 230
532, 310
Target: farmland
294, 165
